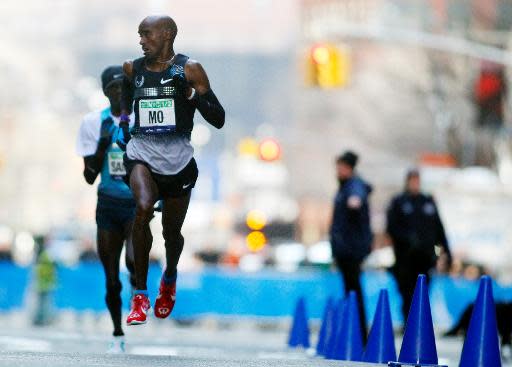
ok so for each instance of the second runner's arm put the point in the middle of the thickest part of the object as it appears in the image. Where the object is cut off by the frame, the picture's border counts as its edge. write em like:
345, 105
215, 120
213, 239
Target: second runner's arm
93, 163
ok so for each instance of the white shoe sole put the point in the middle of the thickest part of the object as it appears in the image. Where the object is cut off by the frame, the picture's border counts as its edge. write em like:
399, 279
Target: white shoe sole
134, 323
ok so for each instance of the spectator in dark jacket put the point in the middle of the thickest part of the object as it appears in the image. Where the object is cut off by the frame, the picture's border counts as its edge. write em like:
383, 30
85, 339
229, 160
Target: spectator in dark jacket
351, 236
415, 228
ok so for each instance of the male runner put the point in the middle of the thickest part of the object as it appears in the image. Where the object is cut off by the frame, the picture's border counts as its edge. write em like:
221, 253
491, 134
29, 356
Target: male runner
116, 207
164, 89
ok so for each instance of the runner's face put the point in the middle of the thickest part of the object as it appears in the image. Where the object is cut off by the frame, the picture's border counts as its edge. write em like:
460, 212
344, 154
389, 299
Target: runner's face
151, 40
113, 91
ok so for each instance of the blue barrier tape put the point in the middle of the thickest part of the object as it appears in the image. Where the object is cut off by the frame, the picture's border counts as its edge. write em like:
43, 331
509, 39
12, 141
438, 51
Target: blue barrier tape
233, 293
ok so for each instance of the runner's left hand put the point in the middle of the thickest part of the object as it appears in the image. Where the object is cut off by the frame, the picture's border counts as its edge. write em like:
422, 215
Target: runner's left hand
182, 85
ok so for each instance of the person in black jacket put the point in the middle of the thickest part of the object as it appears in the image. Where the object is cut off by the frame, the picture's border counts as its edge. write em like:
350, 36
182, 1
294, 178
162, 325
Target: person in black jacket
351, 236
415, 228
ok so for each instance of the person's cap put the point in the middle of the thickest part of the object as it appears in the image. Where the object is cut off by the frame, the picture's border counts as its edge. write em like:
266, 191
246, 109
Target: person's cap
349, 158
111, 75
413, 172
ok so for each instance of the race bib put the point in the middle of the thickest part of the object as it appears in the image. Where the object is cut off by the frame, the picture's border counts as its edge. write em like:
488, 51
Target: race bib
115, 164
157, 114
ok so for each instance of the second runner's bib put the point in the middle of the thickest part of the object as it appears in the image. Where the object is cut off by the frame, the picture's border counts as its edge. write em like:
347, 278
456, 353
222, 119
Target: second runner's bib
115, 164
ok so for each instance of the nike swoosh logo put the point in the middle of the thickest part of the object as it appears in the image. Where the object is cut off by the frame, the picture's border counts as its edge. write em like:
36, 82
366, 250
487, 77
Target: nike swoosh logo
187, 185
163, 81
115, 76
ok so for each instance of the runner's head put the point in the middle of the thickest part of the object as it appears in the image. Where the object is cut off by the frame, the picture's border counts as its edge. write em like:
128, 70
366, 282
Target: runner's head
111, 80
157, 34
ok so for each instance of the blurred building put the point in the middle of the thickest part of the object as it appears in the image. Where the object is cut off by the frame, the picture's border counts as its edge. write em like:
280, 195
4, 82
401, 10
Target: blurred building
410, 72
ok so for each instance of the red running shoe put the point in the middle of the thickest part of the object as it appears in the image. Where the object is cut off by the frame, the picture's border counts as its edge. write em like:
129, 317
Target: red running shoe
166, 299
140, 308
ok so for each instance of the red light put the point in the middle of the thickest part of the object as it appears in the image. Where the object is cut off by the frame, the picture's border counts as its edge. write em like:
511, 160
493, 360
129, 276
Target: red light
270, 150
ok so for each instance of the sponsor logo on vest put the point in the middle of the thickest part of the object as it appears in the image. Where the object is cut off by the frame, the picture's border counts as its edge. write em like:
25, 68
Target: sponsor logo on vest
139, 81
177, 69
161, 103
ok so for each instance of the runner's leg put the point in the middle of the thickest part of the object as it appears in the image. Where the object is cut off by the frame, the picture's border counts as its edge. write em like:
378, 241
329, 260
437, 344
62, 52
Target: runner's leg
110, 244
129, 256
173, 215
145, 192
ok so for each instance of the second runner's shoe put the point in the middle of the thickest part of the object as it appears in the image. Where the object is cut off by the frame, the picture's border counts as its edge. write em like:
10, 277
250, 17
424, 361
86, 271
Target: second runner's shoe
117, 345
140, 308
166, 299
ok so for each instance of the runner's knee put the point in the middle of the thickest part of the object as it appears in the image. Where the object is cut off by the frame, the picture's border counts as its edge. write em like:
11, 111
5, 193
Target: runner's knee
172, 235
144, 210
114, 287
130, 265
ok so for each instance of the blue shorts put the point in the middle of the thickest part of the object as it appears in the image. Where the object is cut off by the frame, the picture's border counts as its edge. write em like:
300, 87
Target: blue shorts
114, 214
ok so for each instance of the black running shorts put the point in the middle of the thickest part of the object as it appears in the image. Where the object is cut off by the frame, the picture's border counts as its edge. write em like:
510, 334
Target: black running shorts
169, 186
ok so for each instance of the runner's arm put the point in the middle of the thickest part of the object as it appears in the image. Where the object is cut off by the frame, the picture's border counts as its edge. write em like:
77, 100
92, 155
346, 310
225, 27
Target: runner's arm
91, 169
126, 104
127, 89
204, 99
93, 163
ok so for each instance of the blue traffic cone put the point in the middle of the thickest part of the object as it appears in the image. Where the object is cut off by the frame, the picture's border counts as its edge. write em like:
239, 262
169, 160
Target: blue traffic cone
326, 324
481, 348
381, 341
349, 341
332, 330
419, 344
299, 333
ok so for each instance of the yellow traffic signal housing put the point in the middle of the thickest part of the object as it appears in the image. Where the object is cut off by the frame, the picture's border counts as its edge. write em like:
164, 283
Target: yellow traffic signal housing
328, 66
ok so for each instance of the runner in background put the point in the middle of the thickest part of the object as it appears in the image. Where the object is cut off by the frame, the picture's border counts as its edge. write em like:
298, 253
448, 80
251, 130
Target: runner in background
116, 207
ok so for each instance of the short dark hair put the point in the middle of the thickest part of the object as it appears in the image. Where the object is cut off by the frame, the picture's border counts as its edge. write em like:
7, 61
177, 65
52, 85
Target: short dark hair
413, 172
349, 158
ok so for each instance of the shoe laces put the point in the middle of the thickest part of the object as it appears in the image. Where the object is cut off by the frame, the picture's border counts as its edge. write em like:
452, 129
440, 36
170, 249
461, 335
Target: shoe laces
167, 288
139, 300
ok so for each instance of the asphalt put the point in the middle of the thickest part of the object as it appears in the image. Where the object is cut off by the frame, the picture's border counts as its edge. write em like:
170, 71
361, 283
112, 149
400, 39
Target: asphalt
31, 359
82, 341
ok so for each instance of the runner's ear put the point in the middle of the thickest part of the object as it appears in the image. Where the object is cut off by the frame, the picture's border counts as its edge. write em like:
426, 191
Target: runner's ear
167, 34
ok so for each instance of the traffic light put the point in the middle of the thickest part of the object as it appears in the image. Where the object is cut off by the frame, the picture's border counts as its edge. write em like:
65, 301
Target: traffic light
248, 147
269, 150
256, 239
256, 220
490, 94
328, 66
260, 231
